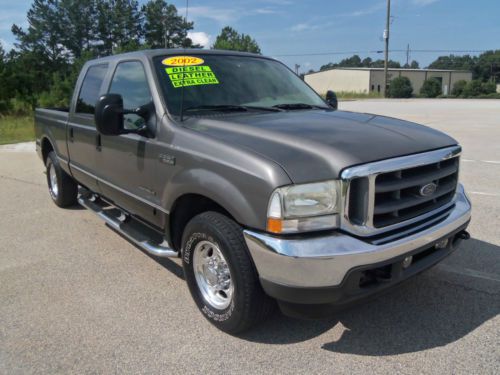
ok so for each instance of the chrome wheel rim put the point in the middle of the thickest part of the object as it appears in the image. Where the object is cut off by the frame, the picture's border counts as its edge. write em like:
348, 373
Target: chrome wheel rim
54, 189
212, 275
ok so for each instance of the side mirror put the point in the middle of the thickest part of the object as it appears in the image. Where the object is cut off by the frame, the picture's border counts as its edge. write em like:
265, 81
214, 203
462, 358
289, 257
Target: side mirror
331, 99
109, 114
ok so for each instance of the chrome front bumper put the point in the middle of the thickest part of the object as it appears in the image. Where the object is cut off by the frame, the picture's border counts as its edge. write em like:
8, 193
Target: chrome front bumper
324, 261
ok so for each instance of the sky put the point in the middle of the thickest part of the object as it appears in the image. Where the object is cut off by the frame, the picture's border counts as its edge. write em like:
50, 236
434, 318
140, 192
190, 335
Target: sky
320, 31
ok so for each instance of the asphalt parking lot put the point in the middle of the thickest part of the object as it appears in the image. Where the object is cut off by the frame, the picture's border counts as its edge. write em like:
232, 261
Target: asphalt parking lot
77, 298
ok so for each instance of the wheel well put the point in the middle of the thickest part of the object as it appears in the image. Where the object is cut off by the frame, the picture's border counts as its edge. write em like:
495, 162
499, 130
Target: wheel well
46, 148
184, 209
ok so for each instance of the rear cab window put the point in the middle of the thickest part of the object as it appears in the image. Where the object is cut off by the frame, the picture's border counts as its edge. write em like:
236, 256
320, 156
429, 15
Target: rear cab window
90, 89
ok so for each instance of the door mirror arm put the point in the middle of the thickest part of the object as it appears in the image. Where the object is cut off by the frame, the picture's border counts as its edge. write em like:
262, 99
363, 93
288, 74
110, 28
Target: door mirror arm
143, 111
142, 130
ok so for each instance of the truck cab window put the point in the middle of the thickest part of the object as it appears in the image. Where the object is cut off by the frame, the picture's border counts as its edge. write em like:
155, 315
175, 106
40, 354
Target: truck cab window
131, 83
91, 86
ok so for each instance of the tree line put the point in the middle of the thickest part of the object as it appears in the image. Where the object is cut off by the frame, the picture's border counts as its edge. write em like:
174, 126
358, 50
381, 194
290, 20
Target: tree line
62, 34
355, 61
485, 67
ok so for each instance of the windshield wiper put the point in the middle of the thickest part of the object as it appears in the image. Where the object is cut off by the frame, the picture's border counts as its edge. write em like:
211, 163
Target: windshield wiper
298, 106
259, 108
231, 108
222, 108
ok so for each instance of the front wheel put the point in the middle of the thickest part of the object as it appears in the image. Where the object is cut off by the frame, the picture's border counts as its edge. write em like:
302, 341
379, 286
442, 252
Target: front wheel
220, 274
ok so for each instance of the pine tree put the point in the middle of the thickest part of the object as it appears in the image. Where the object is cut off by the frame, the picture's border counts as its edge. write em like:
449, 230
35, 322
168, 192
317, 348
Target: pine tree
164, 27
230, 39
119, 25
77, 19
43, 36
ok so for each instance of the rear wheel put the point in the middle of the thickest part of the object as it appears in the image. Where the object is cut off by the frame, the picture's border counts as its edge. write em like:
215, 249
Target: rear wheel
220, 274
62, 188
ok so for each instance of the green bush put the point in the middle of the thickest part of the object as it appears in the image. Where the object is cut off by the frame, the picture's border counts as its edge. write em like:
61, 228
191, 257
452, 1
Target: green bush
15, 107
400, 87
473, 88
5, 106
489, 87
494, 95
59, 93
431, 88
458, 87
20, 107
476, 88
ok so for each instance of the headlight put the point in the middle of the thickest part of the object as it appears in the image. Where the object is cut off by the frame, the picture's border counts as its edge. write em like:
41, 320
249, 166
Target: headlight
306, 207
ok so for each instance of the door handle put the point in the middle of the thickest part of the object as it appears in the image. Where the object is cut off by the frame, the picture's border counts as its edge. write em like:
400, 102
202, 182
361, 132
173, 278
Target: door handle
71, 134
98, 145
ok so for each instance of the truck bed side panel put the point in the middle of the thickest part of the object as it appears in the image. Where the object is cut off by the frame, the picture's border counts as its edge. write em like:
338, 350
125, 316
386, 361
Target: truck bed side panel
51, 124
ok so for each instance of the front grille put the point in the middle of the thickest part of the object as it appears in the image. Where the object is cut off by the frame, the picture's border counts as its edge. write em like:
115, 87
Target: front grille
398, 197
390, 195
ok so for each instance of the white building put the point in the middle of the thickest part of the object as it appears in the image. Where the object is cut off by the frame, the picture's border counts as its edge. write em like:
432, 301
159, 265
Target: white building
367, 80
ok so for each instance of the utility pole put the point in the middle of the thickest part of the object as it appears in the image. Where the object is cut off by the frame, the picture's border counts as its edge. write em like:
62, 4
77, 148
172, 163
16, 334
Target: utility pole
386, 52
297, 66
408, 55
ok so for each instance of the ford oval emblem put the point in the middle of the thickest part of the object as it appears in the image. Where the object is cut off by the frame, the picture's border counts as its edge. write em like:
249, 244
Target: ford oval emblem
428, 189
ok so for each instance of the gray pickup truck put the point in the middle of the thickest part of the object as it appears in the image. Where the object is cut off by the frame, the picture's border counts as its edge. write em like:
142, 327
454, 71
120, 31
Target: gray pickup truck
264, 190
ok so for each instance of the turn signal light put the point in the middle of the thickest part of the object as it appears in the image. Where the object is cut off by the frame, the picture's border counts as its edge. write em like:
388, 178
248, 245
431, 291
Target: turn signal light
274, 225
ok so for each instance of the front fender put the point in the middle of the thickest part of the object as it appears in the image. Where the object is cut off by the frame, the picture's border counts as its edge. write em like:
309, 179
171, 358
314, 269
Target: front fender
223, 192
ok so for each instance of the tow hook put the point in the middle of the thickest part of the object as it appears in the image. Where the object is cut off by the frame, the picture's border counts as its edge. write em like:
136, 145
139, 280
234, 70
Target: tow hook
463, 235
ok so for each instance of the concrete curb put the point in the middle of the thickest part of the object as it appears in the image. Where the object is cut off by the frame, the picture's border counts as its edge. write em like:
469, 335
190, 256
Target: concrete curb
19, 147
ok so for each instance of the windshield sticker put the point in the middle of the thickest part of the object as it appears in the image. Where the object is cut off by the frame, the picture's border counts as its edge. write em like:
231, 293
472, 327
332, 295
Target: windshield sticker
182, 61
184, 76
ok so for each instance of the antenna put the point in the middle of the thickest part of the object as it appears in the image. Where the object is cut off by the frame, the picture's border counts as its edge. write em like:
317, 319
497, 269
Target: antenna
184, 65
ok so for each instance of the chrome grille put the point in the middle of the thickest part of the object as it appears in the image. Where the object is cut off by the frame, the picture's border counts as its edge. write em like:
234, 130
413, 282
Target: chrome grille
387, 195
398, 194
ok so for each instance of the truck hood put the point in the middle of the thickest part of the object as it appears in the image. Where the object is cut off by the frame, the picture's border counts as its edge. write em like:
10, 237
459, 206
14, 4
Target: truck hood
316, 145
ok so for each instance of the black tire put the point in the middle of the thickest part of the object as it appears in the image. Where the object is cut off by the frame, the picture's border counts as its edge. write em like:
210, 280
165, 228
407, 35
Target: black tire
249, 304
67, 189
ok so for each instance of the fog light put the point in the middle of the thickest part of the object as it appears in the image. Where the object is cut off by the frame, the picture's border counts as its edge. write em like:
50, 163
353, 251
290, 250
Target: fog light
407, 262
441, 244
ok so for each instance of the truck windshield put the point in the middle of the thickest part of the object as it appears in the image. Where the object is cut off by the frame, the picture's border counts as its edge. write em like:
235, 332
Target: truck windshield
231, 83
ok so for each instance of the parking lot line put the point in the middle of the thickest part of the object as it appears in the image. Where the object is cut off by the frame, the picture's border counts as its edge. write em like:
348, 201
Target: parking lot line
470, 272
482, 161
486, 194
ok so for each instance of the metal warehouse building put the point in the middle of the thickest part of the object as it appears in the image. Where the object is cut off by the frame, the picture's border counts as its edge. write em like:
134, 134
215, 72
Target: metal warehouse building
367, 80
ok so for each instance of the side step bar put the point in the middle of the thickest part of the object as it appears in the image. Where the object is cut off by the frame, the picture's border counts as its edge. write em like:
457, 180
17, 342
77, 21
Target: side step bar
135, 232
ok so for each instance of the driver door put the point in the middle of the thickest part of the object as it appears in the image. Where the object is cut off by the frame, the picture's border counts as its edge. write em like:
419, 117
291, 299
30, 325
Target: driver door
127, 163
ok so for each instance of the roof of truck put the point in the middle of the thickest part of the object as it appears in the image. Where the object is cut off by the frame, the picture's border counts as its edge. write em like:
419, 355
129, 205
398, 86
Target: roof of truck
175, 51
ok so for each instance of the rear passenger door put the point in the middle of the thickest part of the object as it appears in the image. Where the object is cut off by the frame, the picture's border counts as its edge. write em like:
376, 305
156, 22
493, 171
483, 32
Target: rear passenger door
128, 162
82, 134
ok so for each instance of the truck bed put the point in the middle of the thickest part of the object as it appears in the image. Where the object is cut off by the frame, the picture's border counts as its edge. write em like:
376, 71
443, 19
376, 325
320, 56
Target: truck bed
52, 123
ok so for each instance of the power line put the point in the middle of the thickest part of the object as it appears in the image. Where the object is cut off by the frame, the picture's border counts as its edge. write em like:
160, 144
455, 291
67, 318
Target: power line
444, 50
327, 53
381, 51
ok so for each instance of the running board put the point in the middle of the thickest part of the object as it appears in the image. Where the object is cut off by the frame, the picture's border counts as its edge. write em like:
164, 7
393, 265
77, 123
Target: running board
134, 231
